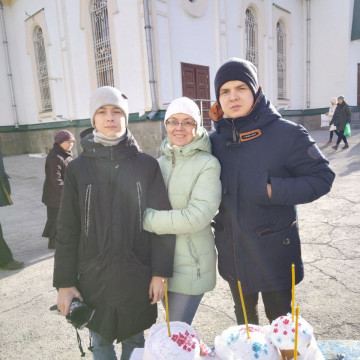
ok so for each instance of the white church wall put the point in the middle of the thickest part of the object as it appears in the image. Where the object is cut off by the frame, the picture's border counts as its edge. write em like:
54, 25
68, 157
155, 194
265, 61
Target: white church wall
191, 42
74, 56
206, 39
127, 55
162, 53
27, 83
5, 96
330, 37
352, 66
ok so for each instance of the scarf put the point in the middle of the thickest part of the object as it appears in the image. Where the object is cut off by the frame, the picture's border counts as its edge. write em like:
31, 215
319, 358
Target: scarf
106, 140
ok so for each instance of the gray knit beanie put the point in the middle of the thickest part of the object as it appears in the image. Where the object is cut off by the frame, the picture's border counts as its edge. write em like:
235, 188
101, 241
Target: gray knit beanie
108, 95
236, 69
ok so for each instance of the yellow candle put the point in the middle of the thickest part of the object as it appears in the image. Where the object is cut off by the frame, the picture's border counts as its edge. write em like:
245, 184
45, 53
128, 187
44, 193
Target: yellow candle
167, 307
244, 310
292, 291
296, 332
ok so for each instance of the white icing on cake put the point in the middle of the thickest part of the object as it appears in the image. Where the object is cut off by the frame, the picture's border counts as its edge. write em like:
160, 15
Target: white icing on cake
282, 333
183, 344
233, 344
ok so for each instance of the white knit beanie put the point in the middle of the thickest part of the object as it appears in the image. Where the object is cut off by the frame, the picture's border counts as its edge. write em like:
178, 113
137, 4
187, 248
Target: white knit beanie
184, 105
108, 95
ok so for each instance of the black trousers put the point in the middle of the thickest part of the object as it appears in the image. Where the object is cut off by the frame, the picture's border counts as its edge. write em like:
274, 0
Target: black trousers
276, 303
5, 253
341, 136
50, 226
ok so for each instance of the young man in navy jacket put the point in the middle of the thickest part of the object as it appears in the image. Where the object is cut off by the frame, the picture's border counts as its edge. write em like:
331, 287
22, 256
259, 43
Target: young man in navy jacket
269, 165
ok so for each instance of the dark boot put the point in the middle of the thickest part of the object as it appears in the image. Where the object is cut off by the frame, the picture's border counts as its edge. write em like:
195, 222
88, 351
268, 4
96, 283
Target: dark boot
51, 243
335, 147
345, 147
13, 265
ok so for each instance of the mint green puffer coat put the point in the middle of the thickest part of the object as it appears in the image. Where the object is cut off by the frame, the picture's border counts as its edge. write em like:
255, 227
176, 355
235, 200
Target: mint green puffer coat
192, 178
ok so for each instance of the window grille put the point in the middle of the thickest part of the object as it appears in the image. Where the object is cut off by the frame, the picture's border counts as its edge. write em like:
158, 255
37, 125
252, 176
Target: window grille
251, 34
101, 41
281, 60
42, 69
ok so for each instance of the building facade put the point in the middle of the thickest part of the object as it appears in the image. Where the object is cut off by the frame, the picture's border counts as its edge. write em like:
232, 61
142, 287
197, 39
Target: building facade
56, 52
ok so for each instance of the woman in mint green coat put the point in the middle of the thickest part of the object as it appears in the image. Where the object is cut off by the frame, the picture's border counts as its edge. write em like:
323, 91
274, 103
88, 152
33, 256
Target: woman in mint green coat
192, 178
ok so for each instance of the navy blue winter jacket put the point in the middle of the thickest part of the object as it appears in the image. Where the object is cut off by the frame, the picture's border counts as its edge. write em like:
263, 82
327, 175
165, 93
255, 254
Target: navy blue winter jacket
256, 237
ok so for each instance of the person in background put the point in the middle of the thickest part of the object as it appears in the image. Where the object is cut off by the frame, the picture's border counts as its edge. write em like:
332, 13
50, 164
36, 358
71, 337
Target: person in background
330, 113
56, 162
192, 177
342, 115
7, 262
268, 166
103, 256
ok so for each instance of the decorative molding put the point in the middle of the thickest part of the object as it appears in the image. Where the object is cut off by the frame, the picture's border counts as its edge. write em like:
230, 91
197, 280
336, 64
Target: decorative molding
195, 8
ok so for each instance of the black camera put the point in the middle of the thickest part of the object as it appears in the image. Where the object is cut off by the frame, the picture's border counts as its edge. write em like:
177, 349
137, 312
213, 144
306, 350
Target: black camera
80, 314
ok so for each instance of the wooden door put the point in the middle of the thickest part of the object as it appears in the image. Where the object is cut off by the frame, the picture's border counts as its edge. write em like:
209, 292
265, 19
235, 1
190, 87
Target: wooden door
195, 85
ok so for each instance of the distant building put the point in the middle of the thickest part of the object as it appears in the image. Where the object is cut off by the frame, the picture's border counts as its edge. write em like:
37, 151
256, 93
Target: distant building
56, 52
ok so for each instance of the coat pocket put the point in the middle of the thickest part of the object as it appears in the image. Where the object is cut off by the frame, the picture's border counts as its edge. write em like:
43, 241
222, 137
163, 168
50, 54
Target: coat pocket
194, 254
135, 282
91, 280
272, 258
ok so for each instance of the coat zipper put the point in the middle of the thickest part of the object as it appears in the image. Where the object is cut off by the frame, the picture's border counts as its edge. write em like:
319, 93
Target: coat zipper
87, 210
172, 157
139, 195
232, 232
171, 172
108, 288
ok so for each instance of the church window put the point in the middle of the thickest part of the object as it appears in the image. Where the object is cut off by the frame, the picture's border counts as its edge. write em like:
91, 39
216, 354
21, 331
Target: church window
251, 37
101, 41
42, 69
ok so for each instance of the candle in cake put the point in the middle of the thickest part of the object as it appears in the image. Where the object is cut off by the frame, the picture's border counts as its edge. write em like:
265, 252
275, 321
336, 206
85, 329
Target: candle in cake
167, 307
292, 291
244, 309
296, 332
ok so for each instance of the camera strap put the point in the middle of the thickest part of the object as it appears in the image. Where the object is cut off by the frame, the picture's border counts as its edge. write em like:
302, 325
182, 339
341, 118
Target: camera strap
79, 343
90, 348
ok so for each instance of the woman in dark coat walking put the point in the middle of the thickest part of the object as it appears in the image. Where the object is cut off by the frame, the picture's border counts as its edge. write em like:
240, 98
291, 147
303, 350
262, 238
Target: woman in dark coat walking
56, 162
342, 115
7, 261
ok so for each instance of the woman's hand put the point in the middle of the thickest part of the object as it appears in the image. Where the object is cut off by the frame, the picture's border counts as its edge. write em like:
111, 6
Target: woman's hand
269, 190
156, 289
65, 297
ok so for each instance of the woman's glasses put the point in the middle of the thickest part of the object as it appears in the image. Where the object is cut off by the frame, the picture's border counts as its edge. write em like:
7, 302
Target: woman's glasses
185, 124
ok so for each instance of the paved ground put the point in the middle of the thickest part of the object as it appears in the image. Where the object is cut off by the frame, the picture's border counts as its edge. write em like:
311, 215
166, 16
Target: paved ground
328, 297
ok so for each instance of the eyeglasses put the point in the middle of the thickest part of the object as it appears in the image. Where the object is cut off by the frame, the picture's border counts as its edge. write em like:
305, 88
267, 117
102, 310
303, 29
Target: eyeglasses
174, 124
